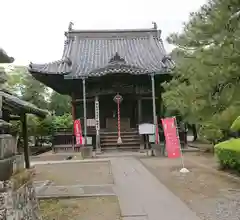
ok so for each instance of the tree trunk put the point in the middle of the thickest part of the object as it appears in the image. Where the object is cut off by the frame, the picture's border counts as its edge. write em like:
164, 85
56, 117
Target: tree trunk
194, 130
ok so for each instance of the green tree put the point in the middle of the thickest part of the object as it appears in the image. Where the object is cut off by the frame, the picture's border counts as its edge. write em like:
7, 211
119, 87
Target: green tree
60, 104
21, 83
205, 84
64, 121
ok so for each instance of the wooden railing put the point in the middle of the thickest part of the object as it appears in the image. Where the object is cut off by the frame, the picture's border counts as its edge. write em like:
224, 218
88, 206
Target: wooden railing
65, 137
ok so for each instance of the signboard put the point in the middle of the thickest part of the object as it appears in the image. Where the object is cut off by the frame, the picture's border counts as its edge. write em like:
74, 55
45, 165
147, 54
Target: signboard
91, 122
146, 128
78, 132
97, 123
171, 138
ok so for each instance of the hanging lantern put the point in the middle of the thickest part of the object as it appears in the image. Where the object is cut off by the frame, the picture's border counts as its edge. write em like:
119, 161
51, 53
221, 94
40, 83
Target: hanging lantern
118, 99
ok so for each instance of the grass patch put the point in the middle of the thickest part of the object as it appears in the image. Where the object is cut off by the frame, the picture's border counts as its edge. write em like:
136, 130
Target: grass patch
88, 208
20, 178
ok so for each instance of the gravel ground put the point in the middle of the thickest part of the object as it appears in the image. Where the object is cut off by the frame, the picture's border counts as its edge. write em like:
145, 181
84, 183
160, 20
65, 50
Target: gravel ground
55, 157
89, 173
210, 195
98, 208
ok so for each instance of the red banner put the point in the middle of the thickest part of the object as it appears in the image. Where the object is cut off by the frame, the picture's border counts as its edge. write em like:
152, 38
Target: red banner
156, 134
78, 132
171, 138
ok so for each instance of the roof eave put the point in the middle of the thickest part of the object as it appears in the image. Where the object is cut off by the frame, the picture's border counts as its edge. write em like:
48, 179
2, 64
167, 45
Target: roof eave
4, 58
35, 71
104, 73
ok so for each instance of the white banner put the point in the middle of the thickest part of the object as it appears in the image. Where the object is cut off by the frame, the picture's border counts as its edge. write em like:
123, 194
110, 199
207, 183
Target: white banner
97, 122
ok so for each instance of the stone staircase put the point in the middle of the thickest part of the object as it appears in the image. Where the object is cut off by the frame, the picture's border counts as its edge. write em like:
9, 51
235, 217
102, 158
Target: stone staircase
130, 140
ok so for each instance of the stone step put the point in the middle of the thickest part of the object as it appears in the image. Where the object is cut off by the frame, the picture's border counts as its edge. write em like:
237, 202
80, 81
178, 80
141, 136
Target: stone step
123, 143
121, 148
127, 139
116, 134
130, 140
122, 135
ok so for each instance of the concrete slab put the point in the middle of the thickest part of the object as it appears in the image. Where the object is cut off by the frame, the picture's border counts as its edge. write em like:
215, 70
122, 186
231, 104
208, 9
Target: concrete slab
68, 161
141, 194
53, 191
135, 218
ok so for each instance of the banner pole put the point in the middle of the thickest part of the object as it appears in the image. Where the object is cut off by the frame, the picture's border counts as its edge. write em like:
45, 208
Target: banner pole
84, 110
154, 108
183, 170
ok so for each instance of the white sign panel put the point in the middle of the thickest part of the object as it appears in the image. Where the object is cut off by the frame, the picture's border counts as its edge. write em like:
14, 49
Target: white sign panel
89, 140
91, 122
146, 128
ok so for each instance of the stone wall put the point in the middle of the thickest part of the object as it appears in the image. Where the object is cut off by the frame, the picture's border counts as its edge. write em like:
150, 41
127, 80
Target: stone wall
18, 199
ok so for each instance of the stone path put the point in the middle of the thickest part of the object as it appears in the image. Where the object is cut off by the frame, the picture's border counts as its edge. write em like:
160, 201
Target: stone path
142, 196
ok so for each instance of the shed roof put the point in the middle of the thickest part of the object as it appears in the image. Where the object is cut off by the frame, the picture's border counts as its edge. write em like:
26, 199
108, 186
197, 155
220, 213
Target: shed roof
99, 52
4, 58
20, 105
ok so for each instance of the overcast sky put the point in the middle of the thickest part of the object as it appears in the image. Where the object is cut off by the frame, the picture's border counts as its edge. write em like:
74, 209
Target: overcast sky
33, 30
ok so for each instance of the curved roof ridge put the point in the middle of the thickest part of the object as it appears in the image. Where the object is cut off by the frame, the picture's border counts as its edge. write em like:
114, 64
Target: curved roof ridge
115, 33
61, 66
86, 52
112, 30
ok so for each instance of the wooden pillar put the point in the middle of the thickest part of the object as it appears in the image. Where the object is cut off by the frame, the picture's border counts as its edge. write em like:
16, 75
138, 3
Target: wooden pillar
139, 110
1, 113
25, 140
73, 107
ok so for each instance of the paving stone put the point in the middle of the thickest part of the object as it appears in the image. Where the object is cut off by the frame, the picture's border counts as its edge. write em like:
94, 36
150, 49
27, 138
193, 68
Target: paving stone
135, 218
76, 191
140, 193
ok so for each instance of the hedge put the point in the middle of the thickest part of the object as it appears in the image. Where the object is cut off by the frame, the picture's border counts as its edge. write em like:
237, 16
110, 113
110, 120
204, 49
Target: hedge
228, 154
236, 125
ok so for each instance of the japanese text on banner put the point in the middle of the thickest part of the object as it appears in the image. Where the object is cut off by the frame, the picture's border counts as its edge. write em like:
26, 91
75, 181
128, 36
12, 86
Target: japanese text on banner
171, 138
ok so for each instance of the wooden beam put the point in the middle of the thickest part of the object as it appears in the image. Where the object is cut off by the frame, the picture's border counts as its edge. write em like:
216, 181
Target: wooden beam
14, 118
25, 140
93, 99
88, 100
148, 98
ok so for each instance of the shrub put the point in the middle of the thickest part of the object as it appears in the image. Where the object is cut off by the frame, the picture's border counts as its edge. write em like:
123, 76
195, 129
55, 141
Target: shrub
236, 125
228, 154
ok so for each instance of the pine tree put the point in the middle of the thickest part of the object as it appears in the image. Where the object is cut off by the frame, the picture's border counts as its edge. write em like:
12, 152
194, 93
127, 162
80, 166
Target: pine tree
205, 88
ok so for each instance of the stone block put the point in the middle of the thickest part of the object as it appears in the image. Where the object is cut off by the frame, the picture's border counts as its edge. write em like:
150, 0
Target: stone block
18, 204
8, 146
158, 149
86, 151
18, 163
6, 168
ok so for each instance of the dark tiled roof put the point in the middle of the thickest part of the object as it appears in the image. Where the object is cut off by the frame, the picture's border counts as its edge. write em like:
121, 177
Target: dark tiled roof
95, 53
4, 58
23, 106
